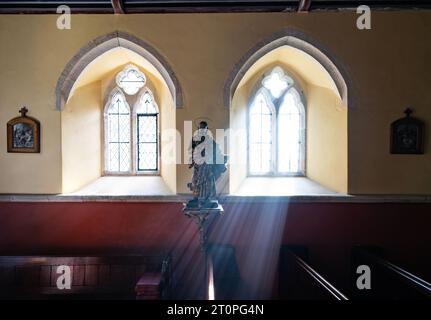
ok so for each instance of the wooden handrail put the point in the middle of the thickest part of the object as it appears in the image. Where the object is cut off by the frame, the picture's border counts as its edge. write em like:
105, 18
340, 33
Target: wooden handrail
409, 278
325, 284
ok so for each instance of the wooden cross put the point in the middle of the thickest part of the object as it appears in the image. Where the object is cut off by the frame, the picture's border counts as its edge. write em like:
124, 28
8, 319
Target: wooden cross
23, 111
408, 112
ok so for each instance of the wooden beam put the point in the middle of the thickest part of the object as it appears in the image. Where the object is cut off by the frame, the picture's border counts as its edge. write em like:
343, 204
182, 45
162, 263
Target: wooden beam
118, 6
203, 6
304, 5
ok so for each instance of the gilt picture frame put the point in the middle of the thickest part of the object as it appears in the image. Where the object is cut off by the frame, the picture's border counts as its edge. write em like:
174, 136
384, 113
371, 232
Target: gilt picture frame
23, 134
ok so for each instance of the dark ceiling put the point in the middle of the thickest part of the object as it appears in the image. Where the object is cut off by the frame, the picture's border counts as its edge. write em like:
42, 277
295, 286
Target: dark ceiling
143, 6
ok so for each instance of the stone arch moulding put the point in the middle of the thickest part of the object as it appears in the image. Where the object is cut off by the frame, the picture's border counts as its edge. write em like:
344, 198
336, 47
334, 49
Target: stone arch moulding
294, 39
105, 43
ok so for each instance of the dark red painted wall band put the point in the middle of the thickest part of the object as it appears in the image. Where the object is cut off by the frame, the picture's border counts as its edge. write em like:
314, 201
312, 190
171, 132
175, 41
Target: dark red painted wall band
256, 230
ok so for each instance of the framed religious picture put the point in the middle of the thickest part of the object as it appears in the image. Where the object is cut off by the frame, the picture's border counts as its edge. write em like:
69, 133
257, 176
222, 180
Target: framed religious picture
407, 135
23, 134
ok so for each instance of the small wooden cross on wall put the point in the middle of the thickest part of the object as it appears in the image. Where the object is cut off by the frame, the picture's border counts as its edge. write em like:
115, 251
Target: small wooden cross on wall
408, 112
23, 111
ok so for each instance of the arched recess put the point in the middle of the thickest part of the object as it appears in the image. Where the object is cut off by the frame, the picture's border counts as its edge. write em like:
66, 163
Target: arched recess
83, 127
324, 91
292, 38
104, 43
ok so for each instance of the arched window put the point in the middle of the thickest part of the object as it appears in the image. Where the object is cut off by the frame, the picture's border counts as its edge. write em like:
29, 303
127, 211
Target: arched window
261, 135
147, 125
276, 127
117, 128
130, 151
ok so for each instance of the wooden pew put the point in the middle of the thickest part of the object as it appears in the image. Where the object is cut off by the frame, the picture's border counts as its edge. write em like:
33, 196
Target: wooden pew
95, 277
298, 280
154, 285
388, 281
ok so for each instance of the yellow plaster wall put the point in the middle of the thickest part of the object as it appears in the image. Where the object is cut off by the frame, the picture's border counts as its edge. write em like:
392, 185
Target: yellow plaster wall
81, 125
168, 138
238, 138
388, 69
326, 139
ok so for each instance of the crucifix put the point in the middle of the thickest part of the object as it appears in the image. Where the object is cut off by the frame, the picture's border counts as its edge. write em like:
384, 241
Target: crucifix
408, 112
23, 111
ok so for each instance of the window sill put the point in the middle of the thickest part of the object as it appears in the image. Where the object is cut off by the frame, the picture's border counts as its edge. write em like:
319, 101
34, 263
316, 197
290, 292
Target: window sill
225, 199
281, 186
125, 186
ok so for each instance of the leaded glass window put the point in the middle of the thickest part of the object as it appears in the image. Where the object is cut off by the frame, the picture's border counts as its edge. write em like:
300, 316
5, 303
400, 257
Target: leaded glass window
260, 137
131, 135
147, 133
118, 134
290, 130
276, 127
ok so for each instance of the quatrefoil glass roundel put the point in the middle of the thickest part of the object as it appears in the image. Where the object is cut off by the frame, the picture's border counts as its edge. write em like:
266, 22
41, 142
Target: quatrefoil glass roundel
277, 82
131, 80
